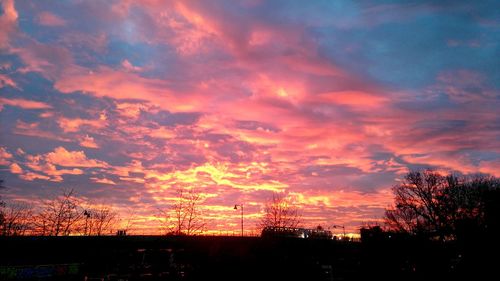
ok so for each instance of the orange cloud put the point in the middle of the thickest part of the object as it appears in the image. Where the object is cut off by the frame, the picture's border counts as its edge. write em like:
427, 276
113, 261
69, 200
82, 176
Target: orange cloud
16, 169
62, 157
89, 142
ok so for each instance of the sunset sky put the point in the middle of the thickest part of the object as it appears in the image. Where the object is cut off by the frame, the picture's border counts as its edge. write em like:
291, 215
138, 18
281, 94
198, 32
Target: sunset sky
330, 102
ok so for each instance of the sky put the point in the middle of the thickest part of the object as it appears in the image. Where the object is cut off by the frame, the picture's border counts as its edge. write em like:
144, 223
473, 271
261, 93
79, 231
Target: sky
328, 102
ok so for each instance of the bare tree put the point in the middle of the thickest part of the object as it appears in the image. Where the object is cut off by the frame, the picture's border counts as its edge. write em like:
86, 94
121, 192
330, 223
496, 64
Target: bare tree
184, 217
280, 212
98, 221
2, 205
126, 226
17, 219
417, 203
60, 216
166, 224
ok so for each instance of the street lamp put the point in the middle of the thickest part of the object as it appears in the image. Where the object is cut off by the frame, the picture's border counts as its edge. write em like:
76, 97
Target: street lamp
87, 216
236, 208
340, 226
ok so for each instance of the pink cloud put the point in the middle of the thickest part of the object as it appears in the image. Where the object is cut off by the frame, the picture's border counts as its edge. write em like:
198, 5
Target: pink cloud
103, 181
39, 163
44, 166
130, 67
23, 103
50, 60
135, 166
131, 110
7, 81
9, 11
89, 142
4, 156
96, 42
62, 157
106, 82
50, 19
354, 99
33, 130
30, 176
8, 21
464, 86
491, 167
51, 170
73, 124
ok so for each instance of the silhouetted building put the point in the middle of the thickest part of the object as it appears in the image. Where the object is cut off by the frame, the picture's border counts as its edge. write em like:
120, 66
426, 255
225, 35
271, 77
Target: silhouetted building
294, 232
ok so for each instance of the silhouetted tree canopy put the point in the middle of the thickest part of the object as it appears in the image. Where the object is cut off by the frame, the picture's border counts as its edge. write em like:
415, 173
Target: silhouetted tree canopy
280, 212
64, 215
17, 219
61, 216
443, 206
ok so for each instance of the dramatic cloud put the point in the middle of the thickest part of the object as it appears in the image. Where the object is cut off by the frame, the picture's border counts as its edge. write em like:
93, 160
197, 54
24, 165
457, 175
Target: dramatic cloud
327, 102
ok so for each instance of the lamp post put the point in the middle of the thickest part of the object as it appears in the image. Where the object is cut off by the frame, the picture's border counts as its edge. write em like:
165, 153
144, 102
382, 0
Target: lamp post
340, 226
236, 208
87, 216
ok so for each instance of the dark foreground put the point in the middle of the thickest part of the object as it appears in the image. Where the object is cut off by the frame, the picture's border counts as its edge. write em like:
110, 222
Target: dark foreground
236, 258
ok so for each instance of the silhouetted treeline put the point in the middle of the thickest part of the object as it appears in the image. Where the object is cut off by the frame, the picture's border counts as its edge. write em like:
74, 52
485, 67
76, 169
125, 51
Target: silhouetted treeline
440, 227
445, 207
62, 215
